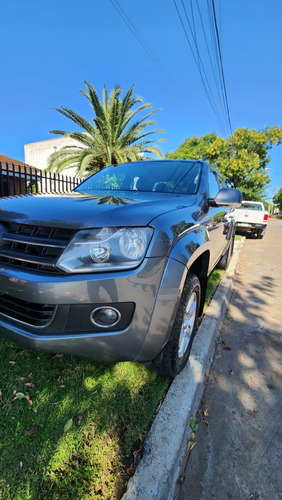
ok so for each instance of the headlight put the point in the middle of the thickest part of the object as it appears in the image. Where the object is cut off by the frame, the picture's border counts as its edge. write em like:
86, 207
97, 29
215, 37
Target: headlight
106, 249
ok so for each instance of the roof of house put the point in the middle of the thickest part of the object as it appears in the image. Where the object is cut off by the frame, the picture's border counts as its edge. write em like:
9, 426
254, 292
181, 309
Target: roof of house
19, 165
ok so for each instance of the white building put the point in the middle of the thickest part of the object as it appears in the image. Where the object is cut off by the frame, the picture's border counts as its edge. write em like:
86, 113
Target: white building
38, 153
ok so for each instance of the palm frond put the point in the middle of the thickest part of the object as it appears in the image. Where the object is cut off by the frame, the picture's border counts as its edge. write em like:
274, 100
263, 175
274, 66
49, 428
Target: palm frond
112, 138
95, 103
76, 118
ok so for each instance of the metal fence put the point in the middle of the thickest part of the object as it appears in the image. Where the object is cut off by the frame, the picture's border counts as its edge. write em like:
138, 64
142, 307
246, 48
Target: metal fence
17, 179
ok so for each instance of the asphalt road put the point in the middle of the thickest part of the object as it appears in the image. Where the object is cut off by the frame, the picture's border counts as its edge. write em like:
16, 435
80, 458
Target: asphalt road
238, 451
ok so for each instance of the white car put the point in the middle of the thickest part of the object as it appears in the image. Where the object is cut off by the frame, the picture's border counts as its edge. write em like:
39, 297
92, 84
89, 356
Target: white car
252, 217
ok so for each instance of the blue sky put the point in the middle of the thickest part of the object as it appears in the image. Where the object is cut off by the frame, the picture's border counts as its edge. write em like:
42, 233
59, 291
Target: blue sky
49, 48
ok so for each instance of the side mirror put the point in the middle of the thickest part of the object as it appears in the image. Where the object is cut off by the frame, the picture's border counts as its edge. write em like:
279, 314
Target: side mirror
227, 197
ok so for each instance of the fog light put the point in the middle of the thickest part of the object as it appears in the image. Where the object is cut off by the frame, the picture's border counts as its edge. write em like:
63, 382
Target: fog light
105, 317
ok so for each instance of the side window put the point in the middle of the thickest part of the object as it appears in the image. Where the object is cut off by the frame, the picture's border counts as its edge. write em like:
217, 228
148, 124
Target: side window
222, 182
213, 184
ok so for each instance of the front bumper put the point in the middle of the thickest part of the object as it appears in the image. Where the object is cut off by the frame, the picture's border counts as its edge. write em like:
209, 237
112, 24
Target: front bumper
142, 295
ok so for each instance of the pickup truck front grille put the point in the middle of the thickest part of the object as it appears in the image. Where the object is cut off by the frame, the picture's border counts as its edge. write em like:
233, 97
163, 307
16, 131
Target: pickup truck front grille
29, 313
33, 247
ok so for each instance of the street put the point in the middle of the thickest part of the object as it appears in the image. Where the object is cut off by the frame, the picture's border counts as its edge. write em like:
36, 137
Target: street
238, 449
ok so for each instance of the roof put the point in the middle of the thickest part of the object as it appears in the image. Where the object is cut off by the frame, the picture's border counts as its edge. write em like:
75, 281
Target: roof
19, 165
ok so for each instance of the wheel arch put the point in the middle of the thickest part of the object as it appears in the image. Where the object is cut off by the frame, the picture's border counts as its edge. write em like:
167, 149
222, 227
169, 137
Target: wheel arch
168, 297
200, 268
192, 249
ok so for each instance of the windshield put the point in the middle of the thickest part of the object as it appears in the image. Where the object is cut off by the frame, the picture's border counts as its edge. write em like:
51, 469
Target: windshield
180, 177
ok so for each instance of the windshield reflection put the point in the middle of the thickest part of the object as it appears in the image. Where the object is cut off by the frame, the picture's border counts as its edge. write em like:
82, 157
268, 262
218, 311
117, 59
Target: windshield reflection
108, 200
169, 176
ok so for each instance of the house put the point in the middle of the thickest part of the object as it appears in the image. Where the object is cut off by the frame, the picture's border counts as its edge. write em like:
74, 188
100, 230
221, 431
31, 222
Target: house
14, 175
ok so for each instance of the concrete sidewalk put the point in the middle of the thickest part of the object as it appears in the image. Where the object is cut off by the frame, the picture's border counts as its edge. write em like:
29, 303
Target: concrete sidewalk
157, 474
238, 454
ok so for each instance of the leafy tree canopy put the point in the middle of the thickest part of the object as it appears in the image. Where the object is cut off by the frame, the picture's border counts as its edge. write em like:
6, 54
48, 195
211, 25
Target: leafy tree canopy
277, 198
241, 158
115, 134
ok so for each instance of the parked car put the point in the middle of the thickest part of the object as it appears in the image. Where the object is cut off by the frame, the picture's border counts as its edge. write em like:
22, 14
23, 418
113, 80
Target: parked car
116, 270
250, 217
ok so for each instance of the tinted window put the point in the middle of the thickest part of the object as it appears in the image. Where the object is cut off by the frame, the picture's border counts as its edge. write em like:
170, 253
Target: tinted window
222, 182
250, 206
213, 183
181, 177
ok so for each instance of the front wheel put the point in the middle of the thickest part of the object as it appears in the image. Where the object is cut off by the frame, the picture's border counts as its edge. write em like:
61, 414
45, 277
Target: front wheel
176, 352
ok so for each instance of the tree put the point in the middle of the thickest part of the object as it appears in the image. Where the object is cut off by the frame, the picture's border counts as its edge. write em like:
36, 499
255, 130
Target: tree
242, 158
112, 138
277, 198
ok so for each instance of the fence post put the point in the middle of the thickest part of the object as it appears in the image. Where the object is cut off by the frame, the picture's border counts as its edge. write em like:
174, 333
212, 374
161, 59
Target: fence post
25, 180
41, 189
20, 180
30, 179
36, 179
14, 179
1, 181
8, 179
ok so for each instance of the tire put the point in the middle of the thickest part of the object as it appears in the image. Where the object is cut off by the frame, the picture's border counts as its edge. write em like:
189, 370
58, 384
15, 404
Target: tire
260, 234
225, 259
176, 352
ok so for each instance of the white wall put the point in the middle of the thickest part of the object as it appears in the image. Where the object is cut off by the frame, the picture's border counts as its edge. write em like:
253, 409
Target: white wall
37, 153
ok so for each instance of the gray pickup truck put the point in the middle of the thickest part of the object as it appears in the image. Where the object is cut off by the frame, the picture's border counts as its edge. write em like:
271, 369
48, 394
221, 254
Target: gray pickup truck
116, 270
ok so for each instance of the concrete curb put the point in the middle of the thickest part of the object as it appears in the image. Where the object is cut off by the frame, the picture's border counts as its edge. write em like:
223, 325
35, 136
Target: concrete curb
165, 446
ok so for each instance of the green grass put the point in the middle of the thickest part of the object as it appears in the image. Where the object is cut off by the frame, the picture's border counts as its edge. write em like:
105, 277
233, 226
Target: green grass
213, 282
69, 426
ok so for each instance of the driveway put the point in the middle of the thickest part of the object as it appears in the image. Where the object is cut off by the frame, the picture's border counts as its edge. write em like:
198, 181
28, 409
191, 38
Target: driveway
238, 453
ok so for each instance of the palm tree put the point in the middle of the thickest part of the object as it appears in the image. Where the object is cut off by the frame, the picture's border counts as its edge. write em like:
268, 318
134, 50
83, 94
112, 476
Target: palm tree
112, 138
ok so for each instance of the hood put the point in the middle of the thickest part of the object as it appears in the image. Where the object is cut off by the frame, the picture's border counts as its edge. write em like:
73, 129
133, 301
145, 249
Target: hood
79, 211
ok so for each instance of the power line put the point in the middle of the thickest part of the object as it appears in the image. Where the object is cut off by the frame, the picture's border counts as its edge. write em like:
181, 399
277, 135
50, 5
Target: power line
221, 66
147, 48
200, 64
218, 59
138, 36
208, 50
216, 63
198, 61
